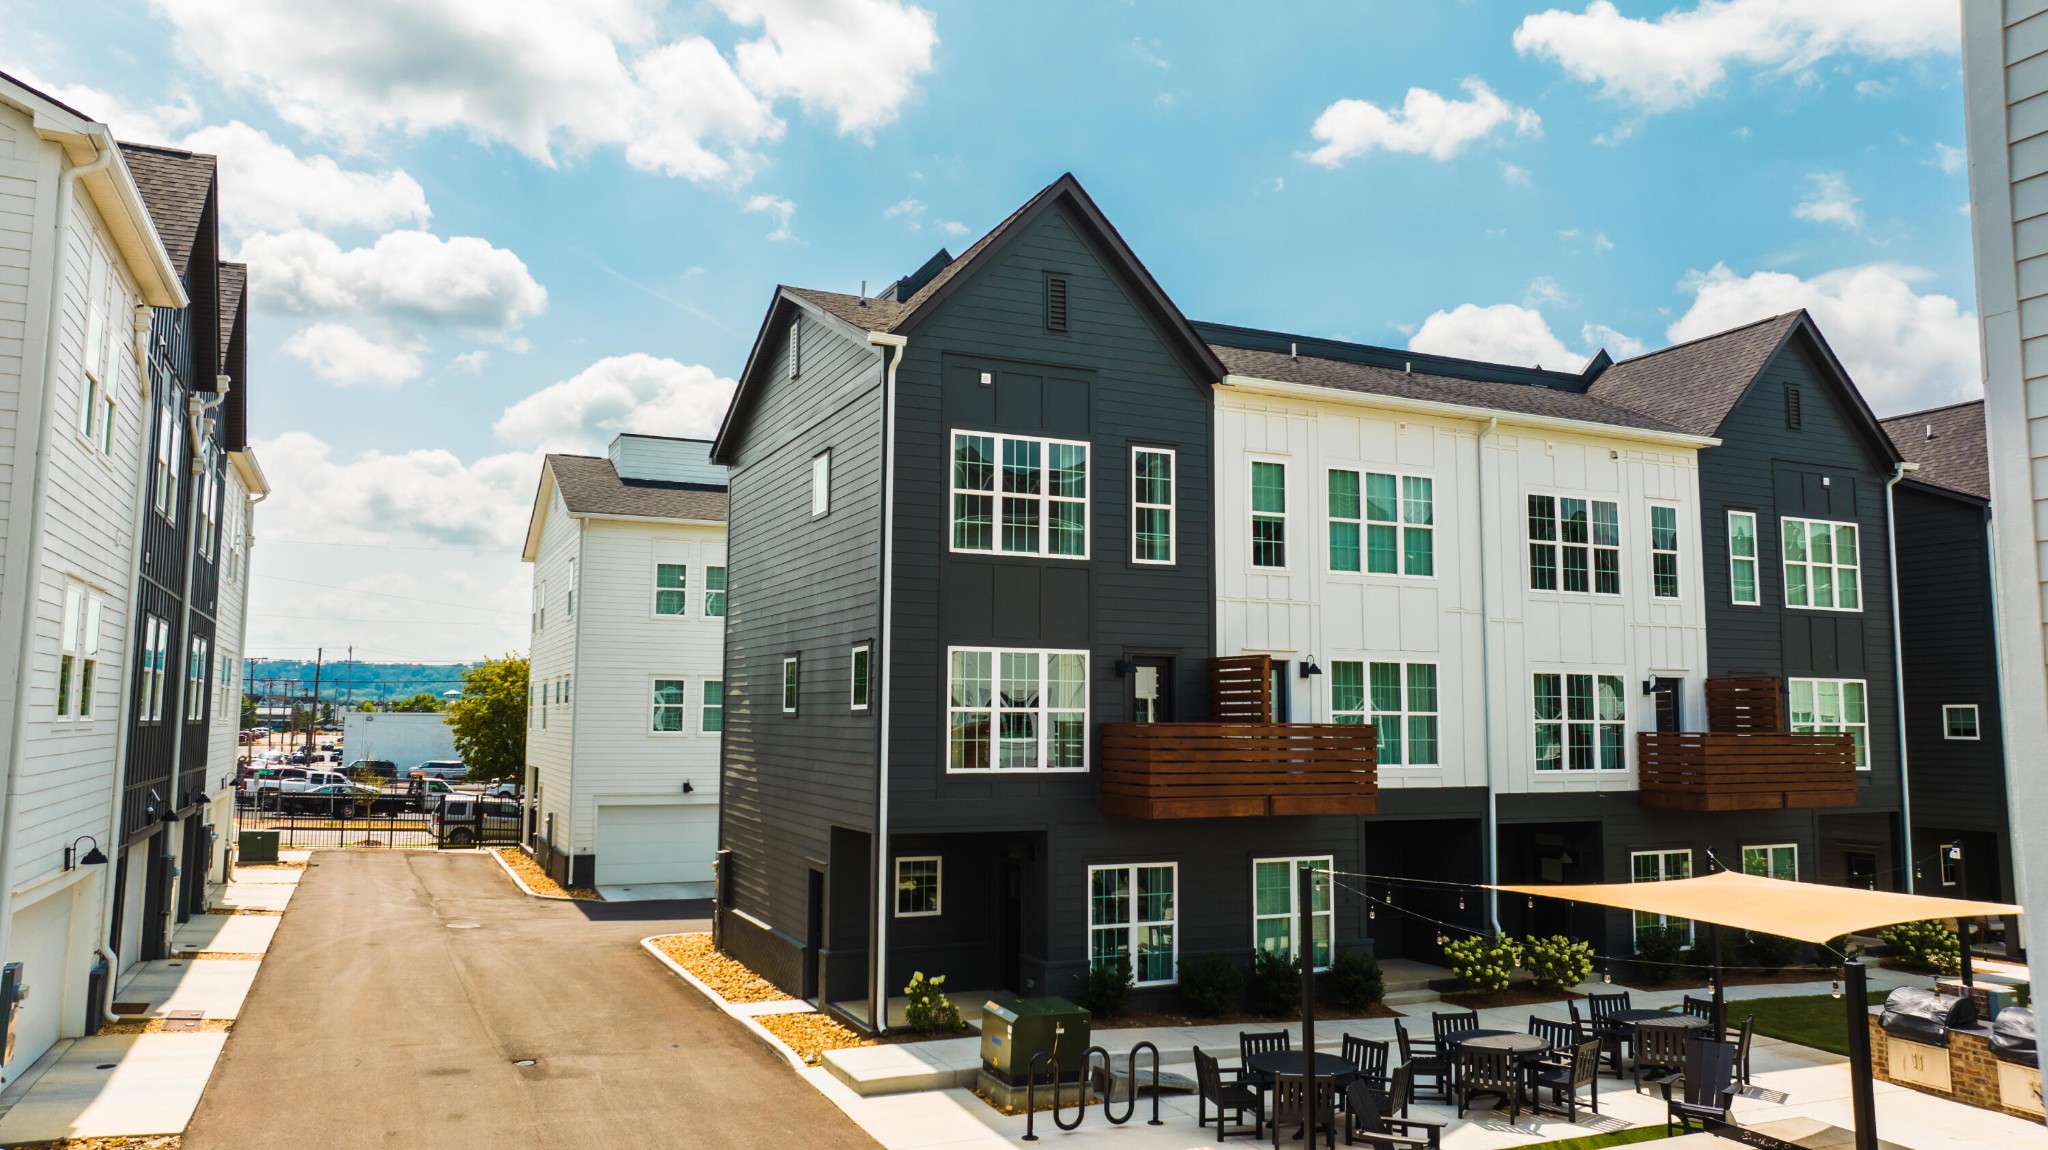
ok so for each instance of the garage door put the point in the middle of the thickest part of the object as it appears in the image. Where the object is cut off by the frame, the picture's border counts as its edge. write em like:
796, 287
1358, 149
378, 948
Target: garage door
646, 843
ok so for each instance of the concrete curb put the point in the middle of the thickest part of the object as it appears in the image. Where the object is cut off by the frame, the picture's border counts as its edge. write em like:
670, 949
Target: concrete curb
767, 1036
521, 883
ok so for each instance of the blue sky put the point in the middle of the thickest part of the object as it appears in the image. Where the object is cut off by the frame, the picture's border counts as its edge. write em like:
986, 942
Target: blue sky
482, 230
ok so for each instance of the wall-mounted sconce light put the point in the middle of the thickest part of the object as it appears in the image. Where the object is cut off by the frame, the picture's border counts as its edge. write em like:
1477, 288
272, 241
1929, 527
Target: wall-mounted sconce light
688, 788
1125, 668
1308, 667
1649, 686
93, 857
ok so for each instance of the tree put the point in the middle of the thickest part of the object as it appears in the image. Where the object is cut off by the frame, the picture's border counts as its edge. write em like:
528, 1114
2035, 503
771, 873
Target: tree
248, 711
490, 720
421, 702
366, 705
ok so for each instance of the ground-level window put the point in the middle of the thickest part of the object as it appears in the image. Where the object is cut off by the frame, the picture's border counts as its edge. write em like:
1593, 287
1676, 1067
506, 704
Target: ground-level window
1131, 913
668, 706
1398, 699
1660, 866
917, 887
1830, 707
789, 685
857, 691
1742, 585
1581, 722
1779, 860
1276, 907
1959, 721
1821, 565
1017, 710
712, 716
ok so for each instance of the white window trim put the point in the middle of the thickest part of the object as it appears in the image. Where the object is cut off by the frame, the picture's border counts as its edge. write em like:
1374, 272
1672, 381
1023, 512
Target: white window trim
1044, 497
1372, 716
1635, 924
1755, 560
1947, 869
995, 710
1785, 563
853, 680
1170, 506
1677, 551
1133, 922
1620, 547
709, 590
1252, 515
790, 664
1565, 722
1401, 525
569, 598
1846, 727
1293, 864
1743, 854
653, 684
654, 610
821, 484
1976, 722
704, 709
938, 882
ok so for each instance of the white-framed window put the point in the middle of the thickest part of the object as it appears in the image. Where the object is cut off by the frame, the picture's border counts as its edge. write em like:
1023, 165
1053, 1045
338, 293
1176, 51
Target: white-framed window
714, 592
224, 684
1832, 706
711, 716
1777, 860
1822, 567
1663, 551
95, 401
1574, 545
1269, 514
1959, 721
1398, 699
208, 497
671, 588
1276, 907
1581, 721
77, 655
568, 690
540, 606
569, 599
1660, 866
821, 483
1381, 523
197, 658
1012, 710
546, 689
1131, 913
1742, 559
917, 887
1948, 866
857, 679
167, 455
156, 640
1014, 495
666, 717
789, 684
1152, 505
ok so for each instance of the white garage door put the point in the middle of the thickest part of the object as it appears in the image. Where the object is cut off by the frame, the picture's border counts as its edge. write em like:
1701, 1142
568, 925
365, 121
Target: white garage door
673, 842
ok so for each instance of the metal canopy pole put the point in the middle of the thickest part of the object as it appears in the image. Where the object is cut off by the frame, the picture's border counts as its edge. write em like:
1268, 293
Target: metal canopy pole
1305, 952
1720, 1007
1862, 1076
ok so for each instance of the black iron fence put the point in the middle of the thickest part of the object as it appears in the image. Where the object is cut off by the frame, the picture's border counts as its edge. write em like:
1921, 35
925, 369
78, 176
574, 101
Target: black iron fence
461, 824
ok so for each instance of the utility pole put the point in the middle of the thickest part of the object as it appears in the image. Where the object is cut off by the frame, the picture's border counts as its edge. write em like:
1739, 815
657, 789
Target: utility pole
351, 704
313, 710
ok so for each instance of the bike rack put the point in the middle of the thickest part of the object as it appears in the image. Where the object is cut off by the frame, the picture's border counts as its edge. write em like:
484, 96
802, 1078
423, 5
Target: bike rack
1047, 1058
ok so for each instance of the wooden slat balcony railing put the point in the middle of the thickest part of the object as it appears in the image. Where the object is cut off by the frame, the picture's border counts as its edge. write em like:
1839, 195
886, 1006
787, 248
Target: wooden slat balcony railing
1754, 771
1241, 688
1745, 703
1238, 770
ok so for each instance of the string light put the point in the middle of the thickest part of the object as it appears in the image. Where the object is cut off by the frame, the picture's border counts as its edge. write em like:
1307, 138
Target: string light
1607, 976
1372, 913
1836, 988
1461, 902
1532, 902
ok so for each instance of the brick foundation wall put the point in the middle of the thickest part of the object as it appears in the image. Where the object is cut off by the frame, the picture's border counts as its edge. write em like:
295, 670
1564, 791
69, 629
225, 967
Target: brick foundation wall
1973, 1070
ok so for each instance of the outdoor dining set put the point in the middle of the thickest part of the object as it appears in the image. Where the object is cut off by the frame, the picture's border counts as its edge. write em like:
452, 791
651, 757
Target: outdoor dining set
1462, 1062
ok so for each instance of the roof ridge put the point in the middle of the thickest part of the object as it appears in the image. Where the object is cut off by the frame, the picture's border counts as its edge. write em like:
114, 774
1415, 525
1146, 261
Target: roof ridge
1977, 402
1709, 336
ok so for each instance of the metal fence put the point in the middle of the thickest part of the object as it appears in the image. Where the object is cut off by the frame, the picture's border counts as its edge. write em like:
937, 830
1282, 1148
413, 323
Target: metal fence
414, 830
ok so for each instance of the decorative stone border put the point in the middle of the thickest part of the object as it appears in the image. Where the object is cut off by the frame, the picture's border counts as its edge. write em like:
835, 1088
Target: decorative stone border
743, 1013
520, 882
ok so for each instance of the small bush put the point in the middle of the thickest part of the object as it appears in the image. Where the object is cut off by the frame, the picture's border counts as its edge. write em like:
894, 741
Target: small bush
1275, 985
1106, 988
1355, 980
1486, 962
1557, 963
1211, 985
1662, 952
1925, 945
1772, 952
929, 1010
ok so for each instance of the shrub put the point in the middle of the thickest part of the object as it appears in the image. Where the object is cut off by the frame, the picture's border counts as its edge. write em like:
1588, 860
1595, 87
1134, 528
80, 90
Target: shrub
1661, 951
1925, 945
929, 1010
1211, 985
1356, 981
1107, 986
1557, 963
1772, 952
1275, 985
1485, 961
1841, 949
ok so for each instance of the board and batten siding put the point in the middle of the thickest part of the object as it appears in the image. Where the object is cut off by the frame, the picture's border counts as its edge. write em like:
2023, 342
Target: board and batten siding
551, 654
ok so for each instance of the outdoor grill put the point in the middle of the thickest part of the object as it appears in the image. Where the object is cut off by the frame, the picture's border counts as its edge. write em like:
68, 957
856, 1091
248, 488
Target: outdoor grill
1923, 1016
2012, 1037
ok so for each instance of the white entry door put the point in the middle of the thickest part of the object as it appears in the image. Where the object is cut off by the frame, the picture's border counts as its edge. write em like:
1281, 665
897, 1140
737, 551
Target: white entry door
650, 843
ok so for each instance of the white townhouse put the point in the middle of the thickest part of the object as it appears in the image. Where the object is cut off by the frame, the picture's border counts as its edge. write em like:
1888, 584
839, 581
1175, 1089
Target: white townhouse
626, 698
81, 264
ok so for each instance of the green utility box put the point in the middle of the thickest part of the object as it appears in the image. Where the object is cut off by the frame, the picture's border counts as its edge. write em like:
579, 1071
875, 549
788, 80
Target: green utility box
1013, 1030
256, 847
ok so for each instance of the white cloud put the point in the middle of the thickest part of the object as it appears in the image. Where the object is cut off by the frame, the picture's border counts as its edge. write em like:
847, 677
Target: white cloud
1543, 290
782, 209
406, 281
1499, 333
1601, 243
1674, 60
471, 362
1516, 175
1149, 54
618, 393
1905, 350
1873, 88
1619, 346
911, 212
157, 123
1950, 159
952, 227
857, 60
1831, 202
345, 357
1426, 124
427, 495
274, 189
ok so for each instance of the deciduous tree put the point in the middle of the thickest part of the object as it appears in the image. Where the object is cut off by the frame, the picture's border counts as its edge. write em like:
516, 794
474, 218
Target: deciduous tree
490, 720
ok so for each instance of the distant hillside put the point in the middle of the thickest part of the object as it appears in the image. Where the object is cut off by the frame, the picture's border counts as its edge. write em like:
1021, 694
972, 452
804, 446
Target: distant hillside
376, 682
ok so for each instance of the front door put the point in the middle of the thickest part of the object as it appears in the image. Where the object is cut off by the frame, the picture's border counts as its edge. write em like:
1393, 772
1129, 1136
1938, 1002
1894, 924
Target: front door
1281, 710
1666, 691
1152, 690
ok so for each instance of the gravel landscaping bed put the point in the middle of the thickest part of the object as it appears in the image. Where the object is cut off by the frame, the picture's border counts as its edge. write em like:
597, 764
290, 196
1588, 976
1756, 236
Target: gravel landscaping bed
148, 1142
240, 955
731, 980
530, 873
157, 1026
810, 1034
241, 910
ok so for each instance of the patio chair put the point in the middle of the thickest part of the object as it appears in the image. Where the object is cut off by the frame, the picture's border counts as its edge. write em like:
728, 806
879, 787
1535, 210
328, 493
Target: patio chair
1401, 1089
1369, 1055
1614, 1036
1423, 1059
1368, 1120
1250, 1042
1565, 1073
1232, 1097
1660, 1052
1448, 1022
1742, 1041
1491, 1072
1702, 1009
1704, 1090
1560, 1035
1314, 1108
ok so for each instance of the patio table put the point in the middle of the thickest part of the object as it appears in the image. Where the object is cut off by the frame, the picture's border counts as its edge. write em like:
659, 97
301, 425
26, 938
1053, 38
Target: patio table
1275, 1062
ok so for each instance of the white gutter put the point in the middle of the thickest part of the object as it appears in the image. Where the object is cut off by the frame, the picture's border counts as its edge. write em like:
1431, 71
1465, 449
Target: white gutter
1891, 539
879, 1010
1486, 694
1465, 413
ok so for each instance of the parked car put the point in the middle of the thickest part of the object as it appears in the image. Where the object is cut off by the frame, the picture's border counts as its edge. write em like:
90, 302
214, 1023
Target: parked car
382, 768
426, 794
453, 770
292, 781
338, 798
502, 791
464, 820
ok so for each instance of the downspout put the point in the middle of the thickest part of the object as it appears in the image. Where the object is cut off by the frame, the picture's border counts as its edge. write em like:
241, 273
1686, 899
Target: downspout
1891, 550
1486, 694
879, 953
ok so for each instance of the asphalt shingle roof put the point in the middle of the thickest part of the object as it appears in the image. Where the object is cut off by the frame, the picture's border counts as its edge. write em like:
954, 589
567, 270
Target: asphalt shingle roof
866, 314
1694, 385
234, 280
174, 184
1948, 444
1374, 380
590, 486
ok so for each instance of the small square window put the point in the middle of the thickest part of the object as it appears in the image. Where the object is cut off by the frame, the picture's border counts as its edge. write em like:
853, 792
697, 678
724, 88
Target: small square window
1959, 721
917, 887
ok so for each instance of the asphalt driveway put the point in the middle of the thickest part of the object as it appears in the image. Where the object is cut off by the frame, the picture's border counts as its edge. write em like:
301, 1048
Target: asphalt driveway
404, 988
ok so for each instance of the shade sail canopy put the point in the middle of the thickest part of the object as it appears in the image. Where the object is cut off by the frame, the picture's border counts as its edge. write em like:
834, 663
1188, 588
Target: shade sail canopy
1813, 912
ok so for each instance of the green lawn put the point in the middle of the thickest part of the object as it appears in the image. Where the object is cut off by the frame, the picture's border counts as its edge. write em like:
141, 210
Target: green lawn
1598, 1141
1816, 1020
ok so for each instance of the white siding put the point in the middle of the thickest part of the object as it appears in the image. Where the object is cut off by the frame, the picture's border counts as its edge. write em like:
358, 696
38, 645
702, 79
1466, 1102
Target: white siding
551, 654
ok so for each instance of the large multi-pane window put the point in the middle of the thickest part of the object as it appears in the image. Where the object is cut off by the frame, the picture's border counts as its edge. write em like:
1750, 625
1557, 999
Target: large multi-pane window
669, 699
714, 592
1574, 545
711, 717
1131, 917
1382, 524
1269, 514
1276, 907
1660, 866
1821, 565
1017, 710
1151, 505
1742, 560
1832, 706
1663, 551
1398, 699
1779, 860
78, 655
1018, 496
671, 588
1581, 722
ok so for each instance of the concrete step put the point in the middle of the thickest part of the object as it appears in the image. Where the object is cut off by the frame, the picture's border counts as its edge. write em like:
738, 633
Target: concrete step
1419, 997
906, 1068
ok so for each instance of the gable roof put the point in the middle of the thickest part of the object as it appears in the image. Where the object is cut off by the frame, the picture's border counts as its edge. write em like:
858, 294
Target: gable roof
175, 184
234, 280
591, 486
1948, 444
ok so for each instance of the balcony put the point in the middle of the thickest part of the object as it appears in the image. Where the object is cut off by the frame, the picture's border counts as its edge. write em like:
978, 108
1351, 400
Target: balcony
1238, 770
1744, 771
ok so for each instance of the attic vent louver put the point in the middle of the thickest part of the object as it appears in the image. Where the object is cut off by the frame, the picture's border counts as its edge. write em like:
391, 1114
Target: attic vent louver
1055, 303
1792, 419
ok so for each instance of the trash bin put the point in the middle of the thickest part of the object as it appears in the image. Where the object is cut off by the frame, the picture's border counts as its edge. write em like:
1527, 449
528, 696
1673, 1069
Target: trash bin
1014, 1030
256, 847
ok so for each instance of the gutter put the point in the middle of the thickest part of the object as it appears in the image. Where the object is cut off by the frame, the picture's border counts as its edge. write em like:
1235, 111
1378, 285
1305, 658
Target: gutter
1464, 413
1891, 548
1486, 694
879, 952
